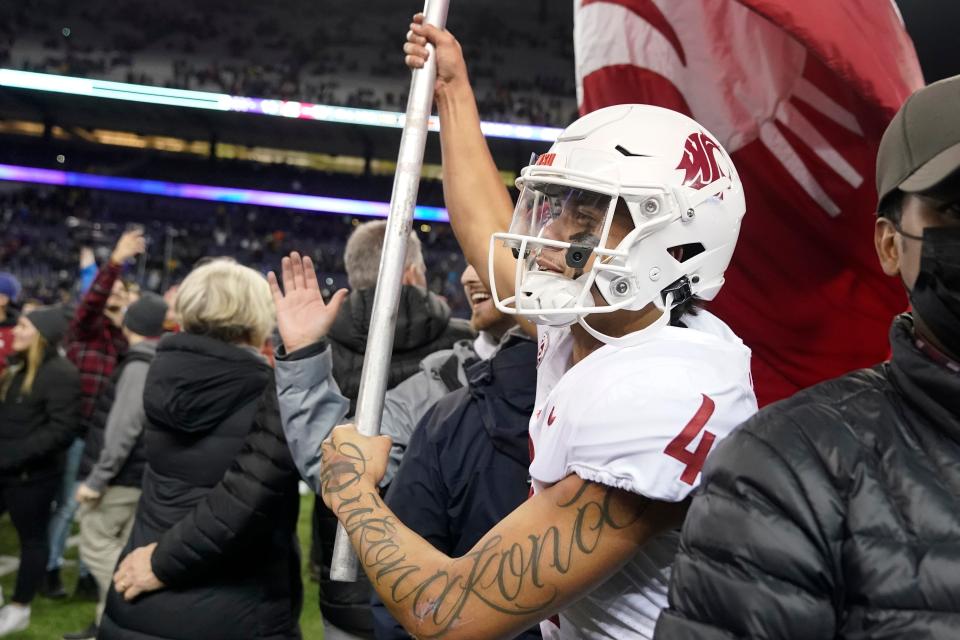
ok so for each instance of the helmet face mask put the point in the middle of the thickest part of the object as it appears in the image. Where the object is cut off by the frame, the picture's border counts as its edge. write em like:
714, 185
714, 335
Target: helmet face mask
557, 232
598, 228
565, 240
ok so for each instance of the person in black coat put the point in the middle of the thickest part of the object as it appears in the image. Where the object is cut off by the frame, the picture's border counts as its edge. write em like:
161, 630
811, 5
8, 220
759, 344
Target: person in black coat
39, 417
423, 326
466, 467
213, 551
836, 513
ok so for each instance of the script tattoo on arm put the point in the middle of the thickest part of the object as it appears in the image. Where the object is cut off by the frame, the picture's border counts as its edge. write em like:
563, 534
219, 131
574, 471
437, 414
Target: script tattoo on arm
550, 551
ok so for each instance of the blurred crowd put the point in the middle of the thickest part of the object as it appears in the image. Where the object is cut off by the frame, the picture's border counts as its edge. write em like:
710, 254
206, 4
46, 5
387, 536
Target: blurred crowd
299, 53
138, 440
42, 232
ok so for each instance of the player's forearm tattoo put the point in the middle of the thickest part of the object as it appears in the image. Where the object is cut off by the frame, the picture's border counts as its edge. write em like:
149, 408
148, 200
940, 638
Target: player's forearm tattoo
511, 579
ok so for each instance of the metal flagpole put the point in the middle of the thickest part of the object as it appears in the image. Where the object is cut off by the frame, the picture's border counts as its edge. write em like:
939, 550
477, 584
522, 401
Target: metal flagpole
406, 182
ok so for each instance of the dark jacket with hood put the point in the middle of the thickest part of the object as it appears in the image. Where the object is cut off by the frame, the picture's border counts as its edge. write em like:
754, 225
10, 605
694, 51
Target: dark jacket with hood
220, 499
466, 468
423, 326
36, 428
834, 514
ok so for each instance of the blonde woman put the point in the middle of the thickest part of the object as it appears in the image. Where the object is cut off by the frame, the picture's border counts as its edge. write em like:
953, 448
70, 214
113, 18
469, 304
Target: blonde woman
212, 553
39, 417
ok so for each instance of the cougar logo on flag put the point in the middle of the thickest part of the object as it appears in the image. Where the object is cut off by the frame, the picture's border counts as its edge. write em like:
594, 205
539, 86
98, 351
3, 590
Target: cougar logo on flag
700, 160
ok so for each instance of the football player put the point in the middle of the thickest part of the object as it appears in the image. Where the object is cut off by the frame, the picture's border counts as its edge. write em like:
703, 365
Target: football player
619, 232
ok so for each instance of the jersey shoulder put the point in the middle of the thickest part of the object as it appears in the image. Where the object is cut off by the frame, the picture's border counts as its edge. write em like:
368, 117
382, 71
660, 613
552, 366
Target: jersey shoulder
643, 418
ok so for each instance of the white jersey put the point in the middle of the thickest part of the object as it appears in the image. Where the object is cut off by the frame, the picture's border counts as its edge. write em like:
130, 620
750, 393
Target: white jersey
641, 418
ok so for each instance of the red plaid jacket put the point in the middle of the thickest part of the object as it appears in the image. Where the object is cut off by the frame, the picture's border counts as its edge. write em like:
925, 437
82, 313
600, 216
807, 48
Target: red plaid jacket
94, 344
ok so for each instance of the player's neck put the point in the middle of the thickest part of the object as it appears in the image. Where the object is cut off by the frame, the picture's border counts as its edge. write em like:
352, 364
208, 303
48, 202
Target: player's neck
615, 324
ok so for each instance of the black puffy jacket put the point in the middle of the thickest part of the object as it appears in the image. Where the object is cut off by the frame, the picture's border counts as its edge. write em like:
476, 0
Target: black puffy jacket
220, 499
36, 428
466, 467
423, 326
834, 514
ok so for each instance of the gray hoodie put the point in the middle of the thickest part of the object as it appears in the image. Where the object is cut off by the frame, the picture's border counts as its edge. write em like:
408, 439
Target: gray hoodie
125, 422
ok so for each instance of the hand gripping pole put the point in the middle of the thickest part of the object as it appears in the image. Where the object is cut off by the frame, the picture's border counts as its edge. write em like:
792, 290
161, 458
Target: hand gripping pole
406, 182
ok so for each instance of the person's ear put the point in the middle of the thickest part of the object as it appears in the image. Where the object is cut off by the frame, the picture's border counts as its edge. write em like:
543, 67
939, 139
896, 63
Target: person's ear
888, 246
407, 277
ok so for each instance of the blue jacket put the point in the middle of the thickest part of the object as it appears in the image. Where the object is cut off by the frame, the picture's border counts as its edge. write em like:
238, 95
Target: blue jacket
466, 466
310, 405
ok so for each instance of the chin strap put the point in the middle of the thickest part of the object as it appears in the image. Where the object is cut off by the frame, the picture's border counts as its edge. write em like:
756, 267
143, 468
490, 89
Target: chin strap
636, 337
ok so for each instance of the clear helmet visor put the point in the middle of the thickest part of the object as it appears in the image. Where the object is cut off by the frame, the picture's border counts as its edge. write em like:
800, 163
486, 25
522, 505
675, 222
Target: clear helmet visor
572, 257
557, 220
557, 232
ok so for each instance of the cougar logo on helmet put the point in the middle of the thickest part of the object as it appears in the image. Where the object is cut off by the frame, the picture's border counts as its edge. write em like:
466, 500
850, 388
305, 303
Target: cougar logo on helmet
700, 161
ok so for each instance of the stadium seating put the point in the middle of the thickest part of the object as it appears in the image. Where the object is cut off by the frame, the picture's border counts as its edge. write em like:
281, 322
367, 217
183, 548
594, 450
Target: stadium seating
301, 53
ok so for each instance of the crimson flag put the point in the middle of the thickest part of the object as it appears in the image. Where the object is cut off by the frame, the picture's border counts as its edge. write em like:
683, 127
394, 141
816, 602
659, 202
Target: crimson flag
799, 93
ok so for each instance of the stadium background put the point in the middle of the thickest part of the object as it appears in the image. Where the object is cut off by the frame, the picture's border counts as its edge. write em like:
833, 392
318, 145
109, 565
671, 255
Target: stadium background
323, 87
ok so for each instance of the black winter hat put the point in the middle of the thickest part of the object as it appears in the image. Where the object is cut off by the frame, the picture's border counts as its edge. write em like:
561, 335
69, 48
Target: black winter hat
145, 316
51, 322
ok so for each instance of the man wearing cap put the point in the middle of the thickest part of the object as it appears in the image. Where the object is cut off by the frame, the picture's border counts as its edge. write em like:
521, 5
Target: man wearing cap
113, 460
836, 513
9, 293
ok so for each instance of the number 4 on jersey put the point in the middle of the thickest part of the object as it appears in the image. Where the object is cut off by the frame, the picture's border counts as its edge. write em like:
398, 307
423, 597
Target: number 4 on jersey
678, 446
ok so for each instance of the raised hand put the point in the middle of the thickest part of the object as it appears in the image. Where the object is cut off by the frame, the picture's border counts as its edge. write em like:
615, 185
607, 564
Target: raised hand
87, 257
130, 244
451, 67
302, 316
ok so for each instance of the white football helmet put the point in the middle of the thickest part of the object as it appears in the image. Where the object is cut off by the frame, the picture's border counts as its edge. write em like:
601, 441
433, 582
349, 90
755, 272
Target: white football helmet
680, 190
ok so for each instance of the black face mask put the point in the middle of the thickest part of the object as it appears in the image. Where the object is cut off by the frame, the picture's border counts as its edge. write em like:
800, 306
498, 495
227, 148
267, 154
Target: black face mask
936, 294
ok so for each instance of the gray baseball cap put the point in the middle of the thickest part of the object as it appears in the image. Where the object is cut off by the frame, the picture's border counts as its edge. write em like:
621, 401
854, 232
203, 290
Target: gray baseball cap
921, 147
